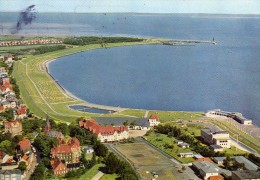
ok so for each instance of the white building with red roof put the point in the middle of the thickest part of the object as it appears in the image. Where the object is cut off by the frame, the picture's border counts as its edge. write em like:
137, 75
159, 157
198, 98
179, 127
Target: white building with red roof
154, 120
106, 133
13, 127
21, 112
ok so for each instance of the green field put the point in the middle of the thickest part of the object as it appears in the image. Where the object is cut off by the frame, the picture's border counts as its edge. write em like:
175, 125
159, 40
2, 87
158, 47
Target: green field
145, 159
160, 141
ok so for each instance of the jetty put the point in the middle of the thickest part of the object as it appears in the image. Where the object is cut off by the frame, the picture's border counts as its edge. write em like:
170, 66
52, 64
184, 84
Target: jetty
175, 42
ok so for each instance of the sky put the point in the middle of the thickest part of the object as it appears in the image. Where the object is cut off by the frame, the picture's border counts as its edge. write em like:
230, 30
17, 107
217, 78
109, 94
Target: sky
137, 6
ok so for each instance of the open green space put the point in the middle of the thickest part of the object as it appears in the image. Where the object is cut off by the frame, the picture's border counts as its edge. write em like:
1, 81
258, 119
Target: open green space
169, 145
109, 177
91, 172
145, 159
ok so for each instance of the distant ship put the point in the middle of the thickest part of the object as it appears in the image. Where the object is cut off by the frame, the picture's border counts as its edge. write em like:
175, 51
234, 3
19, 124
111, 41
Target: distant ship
213, 41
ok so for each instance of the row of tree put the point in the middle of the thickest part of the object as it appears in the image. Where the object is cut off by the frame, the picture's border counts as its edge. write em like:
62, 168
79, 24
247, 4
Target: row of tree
45, 49
86, 40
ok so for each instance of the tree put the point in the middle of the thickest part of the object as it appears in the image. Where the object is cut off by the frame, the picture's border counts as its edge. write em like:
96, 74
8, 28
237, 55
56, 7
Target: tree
100, 149
111, 163
126, 123
5, 146
22, 166
64, 128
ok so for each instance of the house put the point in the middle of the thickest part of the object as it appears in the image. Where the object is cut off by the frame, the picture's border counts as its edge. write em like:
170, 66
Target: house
219, 160
187, 154
27, 159
13, 127
25, 146
70, 153
21, 112
179, 142
184, 145
214, 137
206, 169
245, 175
248, 164
89, 150
8, 162
204, 159
105, 133
154, 120
58, 167
216, 148
14, 174
52, 133
6, 104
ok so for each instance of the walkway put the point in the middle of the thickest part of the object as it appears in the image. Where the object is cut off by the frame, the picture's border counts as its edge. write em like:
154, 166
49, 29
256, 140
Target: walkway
146, 114
98, 176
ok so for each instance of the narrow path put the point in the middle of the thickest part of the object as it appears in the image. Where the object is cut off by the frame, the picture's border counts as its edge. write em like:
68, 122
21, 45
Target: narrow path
41, 96
98, 176
146, 114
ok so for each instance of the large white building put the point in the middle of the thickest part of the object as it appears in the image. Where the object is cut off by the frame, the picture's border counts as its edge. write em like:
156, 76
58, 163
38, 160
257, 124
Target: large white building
220, 138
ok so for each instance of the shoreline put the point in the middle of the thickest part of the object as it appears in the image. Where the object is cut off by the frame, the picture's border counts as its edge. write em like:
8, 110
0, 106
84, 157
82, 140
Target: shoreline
72, 96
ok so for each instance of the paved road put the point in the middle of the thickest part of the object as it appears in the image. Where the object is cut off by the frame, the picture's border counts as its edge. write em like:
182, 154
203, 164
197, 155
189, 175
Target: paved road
98, 176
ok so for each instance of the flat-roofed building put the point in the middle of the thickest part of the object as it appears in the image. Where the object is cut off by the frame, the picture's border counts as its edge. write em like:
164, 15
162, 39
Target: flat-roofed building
220, 138
245, 175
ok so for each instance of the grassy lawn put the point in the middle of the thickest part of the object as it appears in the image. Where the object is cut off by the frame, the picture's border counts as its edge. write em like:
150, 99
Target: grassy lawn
109, 177
169, 116
91, 172
146, 159
233, 151
160, 140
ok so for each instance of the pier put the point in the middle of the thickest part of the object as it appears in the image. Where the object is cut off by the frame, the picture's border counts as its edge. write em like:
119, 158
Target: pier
175, 42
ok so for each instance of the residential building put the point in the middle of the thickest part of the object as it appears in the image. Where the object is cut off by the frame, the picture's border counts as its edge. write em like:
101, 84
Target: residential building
14, 174
13, 127
25, 146
219, 160
52, 133
70, 153
245, 175
58, 167
105, 133
187, 154
216, 148
184, 145
21, 112
8, 162
154, 120
214, 137
89, 150
248, 164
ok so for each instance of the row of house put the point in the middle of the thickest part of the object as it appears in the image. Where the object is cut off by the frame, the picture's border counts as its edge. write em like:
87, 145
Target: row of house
30, 42
9, 164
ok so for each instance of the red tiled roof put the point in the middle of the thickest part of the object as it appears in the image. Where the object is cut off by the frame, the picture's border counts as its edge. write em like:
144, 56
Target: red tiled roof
66, 148
21, 110
12, 123
95, 128
24, 144
2, 108
154, 116
1, 155
216, 178
57, 165
204, 159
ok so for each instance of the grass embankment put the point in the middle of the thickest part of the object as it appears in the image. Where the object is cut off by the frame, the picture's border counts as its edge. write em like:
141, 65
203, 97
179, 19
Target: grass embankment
242, 137
109, 177
41, 94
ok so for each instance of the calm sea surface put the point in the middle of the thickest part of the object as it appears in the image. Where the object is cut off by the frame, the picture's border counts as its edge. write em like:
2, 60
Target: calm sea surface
189, 78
